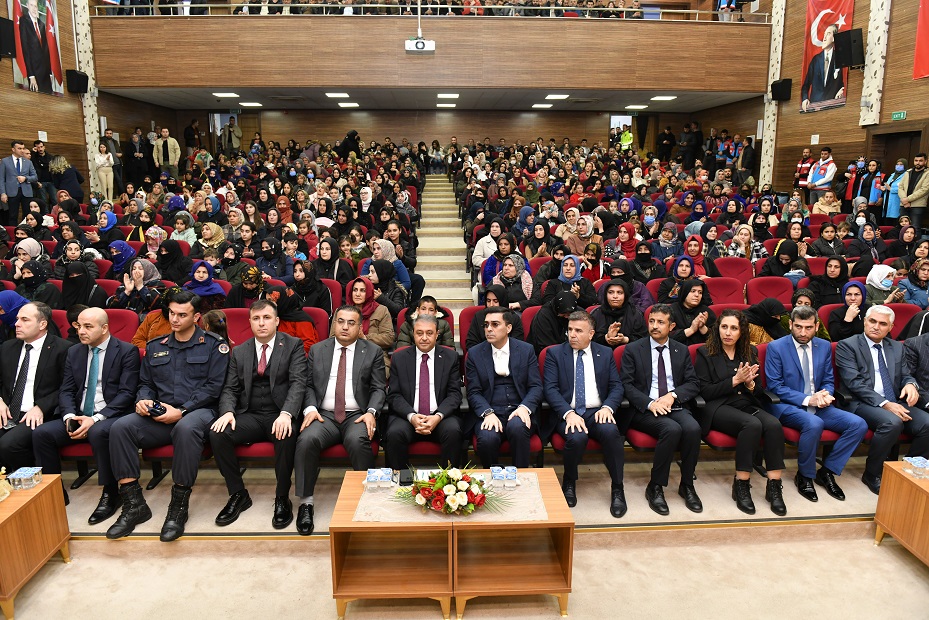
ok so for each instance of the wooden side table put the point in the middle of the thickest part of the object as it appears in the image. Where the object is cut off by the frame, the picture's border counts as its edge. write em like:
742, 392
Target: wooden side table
33, 528
903, 510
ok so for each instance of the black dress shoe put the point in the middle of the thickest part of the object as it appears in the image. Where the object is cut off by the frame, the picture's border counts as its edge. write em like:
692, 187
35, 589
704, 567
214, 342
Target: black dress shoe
825, 478
570, 493
742, 494
774, 493
618, 502
67, 497
654, 493
283, 513
107, 506
805, 487
305, 519
872, 482
239, 502
691, 499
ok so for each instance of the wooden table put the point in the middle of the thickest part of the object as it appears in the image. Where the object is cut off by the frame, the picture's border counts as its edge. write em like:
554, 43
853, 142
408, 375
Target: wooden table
33, 528
903, 510
458, 557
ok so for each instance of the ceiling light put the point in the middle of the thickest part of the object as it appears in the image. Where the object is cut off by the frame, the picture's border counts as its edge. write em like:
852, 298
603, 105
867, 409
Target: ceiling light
249, 104
541, 106
447, 95
636, 107
337, 95
445, 105
347, 104
225, 95
556, 97
664, 98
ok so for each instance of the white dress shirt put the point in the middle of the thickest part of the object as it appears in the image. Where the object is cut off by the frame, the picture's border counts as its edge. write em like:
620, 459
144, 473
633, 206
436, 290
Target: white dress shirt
99, 401
329, 398
666, 356
812, 386
591, 393
878, 382
258, 346
29, 394
433, 405
502, 359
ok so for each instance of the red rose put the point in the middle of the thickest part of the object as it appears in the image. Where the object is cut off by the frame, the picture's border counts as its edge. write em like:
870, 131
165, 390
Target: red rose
426, 492
431, 480
479, 500
439, 493
470, 497
438, 503
466, 478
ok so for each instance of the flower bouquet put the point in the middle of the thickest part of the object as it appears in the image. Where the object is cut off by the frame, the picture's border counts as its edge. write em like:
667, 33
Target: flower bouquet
452, 491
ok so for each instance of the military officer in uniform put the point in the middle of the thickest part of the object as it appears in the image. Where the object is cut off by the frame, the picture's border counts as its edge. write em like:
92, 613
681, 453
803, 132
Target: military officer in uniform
181, 379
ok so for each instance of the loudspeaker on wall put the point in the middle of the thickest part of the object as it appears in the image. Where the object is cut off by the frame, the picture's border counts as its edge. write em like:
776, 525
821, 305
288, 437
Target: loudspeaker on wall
77, 81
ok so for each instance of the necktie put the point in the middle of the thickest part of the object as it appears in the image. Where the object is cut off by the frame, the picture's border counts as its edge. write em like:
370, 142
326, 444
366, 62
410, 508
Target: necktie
340, 389
424, 408
662, 372
580, 398
885, 375
263, 362
807, 374
19, 170
19, 388
90, 397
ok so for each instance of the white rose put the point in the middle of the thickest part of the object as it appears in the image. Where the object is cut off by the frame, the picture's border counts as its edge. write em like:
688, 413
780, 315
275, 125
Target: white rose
475, 489
452, 502
462, 498
462, 485
454, 474
420, 500
449, 489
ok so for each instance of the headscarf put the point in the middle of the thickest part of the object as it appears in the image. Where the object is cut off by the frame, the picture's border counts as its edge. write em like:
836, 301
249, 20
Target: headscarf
110, 221
334, 254
388, 252
839, 282
503, 298
534, 242
521, 277
253, 275
785, 246
861, 287
207, 287
11, 302
612, 314
289, 305
368, 306
33, 247
509, 237
77, 285
590, 226
767, 314
870, 243
217, 238
699, 269
154, 237
171, 257
150, 272
913, 275
878, 273
310, 280
577, 273
676, 289
567, 226
628, 247
686, 287
39, 274
698, 211
522, 223
126, 254
386, 274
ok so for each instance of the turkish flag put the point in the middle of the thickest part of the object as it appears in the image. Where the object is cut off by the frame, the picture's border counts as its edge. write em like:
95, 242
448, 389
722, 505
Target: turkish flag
921, 55
823, 19
52, 36
20, 60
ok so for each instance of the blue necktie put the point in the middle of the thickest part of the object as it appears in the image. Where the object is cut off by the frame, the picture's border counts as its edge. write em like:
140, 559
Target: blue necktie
885, 375
18, 167
90, 397
580, 399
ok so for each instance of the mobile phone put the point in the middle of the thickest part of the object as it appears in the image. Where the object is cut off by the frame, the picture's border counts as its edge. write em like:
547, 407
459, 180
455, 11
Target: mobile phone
72, 425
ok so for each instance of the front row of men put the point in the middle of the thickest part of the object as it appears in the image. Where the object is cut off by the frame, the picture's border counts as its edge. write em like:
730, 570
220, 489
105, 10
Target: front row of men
190, 391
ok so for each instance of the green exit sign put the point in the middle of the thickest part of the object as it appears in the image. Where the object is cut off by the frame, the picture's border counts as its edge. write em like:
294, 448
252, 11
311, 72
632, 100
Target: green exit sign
898, 116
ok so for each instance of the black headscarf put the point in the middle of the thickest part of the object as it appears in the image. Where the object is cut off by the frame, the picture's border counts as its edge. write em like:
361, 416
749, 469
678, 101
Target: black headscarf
289, 305
77, 285
513, 247
767, 314
172, 264
616, 314
534, 242
39, 274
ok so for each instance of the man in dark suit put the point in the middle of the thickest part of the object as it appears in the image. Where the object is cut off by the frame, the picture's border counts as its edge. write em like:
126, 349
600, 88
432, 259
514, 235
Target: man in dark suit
583, 389
34, 40
99, 385
265, 386
17, 174
30, 376
873, 367
424, 394
345, 394
504, 390
658, 387
804, 383
824, 80
745, 161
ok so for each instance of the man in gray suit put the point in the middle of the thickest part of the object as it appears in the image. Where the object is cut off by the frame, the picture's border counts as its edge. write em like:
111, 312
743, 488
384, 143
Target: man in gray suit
263, 395
346, 391
884, 393
17, 174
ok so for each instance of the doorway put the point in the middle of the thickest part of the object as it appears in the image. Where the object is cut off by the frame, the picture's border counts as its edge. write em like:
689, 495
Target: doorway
902, 145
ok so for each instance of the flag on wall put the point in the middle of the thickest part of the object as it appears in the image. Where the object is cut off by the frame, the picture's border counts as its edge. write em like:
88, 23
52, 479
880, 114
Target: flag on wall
38, 57
20, 60
921, 55
824, 82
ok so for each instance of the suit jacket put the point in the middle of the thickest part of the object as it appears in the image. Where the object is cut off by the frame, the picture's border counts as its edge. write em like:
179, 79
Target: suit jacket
286, 371
637, 373
822, 83
914, 350
857, 371
8, 183
48, 376
559, 381
784, 376
404, 369
524, 369
369, 377
120, 379
716, 386
35, 52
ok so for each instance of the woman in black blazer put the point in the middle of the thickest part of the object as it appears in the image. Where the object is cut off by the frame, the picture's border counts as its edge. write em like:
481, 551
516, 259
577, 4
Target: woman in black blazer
727, 367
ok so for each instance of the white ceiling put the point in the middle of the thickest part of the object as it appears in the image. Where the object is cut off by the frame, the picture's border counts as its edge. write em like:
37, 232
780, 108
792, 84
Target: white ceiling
425, 99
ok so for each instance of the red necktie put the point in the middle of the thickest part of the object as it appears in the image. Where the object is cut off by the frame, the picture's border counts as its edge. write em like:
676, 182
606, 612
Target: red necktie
263, 362
424, 408
340, 389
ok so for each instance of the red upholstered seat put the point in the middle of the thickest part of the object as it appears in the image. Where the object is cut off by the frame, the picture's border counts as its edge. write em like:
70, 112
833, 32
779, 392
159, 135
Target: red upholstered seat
640, 441
769, 286
726, 290
265, 450
558, 442
720, 441
734, 267
535, 444
792, 436
76, 451
123, 323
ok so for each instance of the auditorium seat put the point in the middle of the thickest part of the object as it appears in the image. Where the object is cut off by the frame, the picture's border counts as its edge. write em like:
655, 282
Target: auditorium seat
464, 323
123, 323
60, 319
734, 267
103, 266
157, 458
335, 292
83, 455
238, 326
535, 448
527, 315
320, 321
769, 286
725, 290
109, 286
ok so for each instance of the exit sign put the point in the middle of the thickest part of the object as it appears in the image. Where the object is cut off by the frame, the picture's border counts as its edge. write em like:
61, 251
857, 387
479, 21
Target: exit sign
898, 116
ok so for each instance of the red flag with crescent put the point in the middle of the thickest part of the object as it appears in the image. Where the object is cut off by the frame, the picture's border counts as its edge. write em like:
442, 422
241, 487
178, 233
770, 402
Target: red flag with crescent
52, 36
17, 15
921, 55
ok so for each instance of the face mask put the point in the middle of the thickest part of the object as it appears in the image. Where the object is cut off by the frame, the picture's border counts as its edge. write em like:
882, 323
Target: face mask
251, 294
899, 167
30, 281
93, 201
268, 254
229, 262
746, 193
643, 259
860, 221
850, 168
293, 173
795, 221
887, 282
860, 165
649, 220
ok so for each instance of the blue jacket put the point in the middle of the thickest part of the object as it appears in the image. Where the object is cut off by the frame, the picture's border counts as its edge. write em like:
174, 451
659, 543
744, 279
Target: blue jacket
784, 375
914, 294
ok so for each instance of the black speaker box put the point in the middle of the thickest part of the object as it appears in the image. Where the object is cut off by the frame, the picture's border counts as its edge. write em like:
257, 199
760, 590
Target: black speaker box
780, 90
77, 81
849, 48
7, 42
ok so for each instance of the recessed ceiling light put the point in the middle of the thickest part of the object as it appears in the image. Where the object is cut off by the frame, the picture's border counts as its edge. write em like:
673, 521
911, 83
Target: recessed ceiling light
664, 98
447, 95
445, 105
636, 107
556, 97
249, 104
541, 106
225, 95
347, 104
337, 95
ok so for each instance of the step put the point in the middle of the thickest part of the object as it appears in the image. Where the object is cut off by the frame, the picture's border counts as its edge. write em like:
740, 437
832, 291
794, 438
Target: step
441, 220
424, 262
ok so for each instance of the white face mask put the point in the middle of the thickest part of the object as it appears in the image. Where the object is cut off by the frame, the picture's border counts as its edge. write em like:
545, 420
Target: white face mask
860, 221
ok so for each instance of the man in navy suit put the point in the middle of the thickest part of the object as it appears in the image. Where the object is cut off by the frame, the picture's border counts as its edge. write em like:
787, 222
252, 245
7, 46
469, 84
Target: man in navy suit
504, 390
658, 384
17, 174
34, 40
90, 414
873, 367
803, 381
583, 389
824, 79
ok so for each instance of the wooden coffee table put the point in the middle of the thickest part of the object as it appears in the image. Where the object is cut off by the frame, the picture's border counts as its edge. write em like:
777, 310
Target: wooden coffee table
33, 528
460, 558
903, 510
